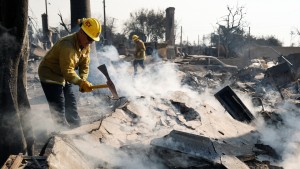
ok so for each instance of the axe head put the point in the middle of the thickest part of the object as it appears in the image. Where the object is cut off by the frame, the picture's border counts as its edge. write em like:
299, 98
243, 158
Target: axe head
103, 69
111, 85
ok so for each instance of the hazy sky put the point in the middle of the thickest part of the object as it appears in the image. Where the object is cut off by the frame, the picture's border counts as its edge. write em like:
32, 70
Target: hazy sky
198, 18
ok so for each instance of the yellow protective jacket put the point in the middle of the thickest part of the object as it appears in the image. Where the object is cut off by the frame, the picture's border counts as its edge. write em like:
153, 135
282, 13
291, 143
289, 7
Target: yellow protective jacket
140, 49
58, 66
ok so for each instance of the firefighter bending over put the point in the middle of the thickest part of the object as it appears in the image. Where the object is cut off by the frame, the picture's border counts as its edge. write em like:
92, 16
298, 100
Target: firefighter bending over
57, 71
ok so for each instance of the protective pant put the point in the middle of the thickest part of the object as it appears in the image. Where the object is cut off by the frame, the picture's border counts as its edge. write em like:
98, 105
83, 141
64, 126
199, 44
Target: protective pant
62, 104
136, 63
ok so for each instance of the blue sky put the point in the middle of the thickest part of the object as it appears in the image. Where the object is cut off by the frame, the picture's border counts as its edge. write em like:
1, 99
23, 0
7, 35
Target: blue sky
198, 18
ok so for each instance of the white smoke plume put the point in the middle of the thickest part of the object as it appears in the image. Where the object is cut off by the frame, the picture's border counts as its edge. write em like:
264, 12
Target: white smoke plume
156, 80
285, 136
115, 158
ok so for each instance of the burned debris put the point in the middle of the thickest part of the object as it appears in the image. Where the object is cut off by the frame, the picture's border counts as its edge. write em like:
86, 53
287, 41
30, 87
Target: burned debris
234, 105
26, 162
202, 152
187, 112
178, 131
195, 119
185, 139
193, 146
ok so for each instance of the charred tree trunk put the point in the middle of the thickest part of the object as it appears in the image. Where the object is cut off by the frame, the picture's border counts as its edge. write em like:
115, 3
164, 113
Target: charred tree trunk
79, 9
15, 128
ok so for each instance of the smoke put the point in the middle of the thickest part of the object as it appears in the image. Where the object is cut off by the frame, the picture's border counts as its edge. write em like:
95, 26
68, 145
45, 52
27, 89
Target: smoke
40, 117
284, 136
43, 122
116, 158
159, 82
158, 79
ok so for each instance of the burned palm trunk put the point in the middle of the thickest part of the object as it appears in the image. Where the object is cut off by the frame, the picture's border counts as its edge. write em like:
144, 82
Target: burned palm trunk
232, 103
13, 64
10, 127
79, 9
23, 102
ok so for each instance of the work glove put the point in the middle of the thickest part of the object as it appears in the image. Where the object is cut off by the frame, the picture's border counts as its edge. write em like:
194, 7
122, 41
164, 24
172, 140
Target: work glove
85, 86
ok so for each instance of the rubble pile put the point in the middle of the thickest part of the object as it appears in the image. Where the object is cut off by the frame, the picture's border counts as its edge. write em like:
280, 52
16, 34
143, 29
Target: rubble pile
217, 121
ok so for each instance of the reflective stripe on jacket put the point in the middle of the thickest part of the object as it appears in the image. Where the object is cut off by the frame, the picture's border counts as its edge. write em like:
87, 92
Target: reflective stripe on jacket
58, 65
140, 49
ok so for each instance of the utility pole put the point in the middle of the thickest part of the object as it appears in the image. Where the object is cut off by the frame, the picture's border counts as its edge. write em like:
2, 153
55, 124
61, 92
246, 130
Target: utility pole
46, 40
218, 42
181, 38
104, 24
218, 45
249, 44
292, 34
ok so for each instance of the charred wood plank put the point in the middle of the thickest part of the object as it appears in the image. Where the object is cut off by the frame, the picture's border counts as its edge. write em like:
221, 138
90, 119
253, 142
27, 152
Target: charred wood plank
233, 105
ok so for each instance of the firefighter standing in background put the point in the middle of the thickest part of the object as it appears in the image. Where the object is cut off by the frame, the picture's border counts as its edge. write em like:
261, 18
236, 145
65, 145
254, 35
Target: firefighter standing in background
140, 54
57, 71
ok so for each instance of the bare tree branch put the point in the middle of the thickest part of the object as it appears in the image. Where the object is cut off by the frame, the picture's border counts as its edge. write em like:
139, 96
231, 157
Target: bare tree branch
230, 31
62, 23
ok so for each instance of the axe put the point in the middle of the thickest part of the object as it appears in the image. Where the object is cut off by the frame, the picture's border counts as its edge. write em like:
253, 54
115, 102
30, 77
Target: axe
110, 84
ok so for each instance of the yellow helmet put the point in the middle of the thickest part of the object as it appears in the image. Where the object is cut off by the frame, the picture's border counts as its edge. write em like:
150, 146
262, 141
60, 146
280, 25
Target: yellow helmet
91, 27
135, 37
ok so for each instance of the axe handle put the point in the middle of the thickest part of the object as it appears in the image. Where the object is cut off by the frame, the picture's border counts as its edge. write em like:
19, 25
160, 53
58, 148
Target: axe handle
100, 86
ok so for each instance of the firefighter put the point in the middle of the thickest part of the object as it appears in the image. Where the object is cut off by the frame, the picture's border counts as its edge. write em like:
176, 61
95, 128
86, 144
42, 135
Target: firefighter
57, 72
140, 54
